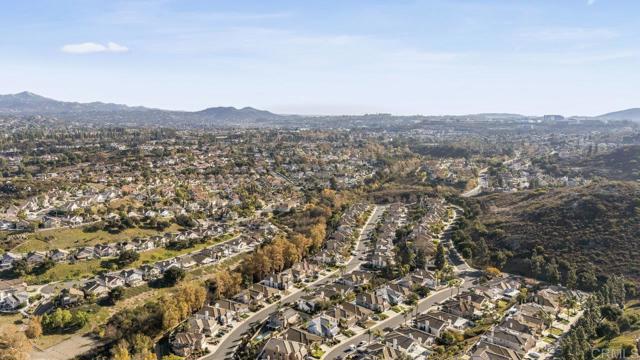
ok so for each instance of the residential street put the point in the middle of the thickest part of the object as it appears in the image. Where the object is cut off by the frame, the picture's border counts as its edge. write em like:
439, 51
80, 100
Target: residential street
227, 346
467, 273
399, 319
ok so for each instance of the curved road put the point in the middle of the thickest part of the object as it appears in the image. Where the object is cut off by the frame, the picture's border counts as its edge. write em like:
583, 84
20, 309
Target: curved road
227, 347
467, 273
397, 320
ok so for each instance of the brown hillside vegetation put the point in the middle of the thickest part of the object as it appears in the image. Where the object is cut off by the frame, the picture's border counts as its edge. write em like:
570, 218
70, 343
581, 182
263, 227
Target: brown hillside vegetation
597, 224
620, 164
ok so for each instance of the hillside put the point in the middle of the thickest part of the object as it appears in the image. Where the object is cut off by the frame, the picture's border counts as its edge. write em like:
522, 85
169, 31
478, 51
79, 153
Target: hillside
597, 224
30, 103
629, 114
98, 113
620, 164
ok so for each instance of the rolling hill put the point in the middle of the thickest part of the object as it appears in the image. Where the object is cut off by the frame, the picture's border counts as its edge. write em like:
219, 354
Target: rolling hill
597, 224
98, 113
629, 114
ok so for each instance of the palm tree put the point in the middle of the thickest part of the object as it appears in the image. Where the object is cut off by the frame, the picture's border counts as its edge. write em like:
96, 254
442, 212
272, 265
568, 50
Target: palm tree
407, 313
455, 283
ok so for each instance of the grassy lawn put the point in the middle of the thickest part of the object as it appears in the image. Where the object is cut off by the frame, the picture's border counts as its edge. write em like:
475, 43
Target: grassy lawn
63, 271
130, 292
555, 331
627, 337
84, 269
76, 237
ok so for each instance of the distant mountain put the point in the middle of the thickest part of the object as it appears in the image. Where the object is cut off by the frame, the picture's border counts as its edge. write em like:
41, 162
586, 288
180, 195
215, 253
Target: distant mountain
27, 102
629, 114
231, 113
98, 113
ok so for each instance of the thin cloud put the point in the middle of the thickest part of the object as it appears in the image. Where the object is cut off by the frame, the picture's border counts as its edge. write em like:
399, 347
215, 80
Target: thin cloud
591, 2
92, 48
570, 34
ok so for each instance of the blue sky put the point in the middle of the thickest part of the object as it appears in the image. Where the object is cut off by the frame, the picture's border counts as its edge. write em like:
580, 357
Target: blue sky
329, 57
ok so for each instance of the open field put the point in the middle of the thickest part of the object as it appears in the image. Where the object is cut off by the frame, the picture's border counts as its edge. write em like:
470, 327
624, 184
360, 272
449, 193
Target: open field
85, 269
76, 237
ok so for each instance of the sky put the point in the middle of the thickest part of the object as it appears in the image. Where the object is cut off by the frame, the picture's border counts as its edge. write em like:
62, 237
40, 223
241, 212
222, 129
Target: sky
431, 57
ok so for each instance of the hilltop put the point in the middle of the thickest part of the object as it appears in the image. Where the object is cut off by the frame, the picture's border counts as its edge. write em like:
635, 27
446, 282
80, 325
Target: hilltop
99, 113
629, 114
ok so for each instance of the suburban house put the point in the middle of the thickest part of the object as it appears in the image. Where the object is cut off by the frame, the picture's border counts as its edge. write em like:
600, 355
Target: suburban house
36, 257
12, 299
85, 253
302, 336
372, 302
8, 259
58, 255
283, 319
407, 345
203, 324
280, 349
186, 343
520, 342
488, 351
324, 326
280, 281
132, 277
431, 324
233, 306
95, 288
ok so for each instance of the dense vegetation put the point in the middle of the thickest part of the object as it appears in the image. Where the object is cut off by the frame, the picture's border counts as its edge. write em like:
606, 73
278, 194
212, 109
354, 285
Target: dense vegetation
620, 164
575, 235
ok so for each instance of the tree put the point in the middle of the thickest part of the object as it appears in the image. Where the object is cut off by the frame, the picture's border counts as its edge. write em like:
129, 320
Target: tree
34, 330
587, 279
14, 344
421, 259
185, 221
441, 259
121, 351
492, 272
143, 347
173, 276
64, 320
571, 279
224, 284
20, 267
499, 258
608, 329
552, 272
127, 257
481, 251
116, 294
447, 338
